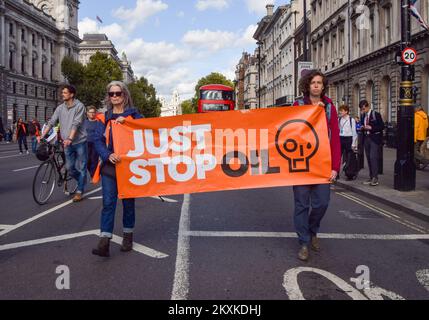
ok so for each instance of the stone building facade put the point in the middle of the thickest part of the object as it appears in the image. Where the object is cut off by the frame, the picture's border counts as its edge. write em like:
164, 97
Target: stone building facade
93, 43
356, 46
35, 35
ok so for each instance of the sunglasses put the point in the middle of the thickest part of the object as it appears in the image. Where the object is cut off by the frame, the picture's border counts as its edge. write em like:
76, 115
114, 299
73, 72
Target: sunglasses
117, 94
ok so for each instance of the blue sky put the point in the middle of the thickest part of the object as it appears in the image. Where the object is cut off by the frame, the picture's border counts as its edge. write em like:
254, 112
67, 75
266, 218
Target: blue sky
174, 43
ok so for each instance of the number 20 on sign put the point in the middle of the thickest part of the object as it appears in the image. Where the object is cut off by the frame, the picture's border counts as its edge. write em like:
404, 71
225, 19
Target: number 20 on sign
409, 56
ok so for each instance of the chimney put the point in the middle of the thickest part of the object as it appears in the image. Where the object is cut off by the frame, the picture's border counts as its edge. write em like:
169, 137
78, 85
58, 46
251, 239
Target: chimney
270, 10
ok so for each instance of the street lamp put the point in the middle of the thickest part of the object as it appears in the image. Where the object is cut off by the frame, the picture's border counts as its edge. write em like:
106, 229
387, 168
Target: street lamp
405, 168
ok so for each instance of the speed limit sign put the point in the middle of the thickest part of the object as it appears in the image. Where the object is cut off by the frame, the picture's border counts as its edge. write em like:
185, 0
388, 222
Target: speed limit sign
409, 55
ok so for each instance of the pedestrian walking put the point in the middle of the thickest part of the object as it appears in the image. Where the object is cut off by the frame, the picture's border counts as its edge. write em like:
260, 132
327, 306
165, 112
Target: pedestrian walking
307, 224
119, 109
34, 132
372, 128
21, 135
420, 134
90, 125
348, 136
70, 116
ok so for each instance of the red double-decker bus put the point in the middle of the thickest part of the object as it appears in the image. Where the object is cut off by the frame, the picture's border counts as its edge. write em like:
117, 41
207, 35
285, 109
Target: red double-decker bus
216, 97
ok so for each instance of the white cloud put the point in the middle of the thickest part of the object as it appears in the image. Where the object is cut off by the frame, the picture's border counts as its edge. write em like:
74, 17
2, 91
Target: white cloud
138, 15
114, 31
210, 40
247, 37
181, 14
258, 6
208, 4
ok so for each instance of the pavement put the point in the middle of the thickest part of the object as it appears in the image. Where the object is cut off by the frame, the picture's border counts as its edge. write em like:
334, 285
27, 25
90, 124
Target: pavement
413, 202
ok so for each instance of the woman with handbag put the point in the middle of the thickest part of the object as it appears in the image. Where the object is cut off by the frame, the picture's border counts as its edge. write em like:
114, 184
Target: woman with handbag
119, 108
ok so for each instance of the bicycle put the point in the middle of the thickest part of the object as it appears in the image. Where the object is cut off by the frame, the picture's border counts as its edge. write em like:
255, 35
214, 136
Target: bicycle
50, 173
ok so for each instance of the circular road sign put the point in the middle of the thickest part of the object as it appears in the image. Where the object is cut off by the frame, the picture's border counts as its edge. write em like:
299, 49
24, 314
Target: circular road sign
409, 55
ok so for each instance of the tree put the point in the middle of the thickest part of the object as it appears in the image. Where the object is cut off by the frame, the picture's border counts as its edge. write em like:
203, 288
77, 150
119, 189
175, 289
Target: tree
73, 71
212, 78
91, 80
144, 97
99, 72
188, 107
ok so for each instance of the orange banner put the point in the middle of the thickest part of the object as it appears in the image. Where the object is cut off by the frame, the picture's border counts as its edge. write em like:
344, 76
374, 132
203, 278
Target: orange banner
222, 151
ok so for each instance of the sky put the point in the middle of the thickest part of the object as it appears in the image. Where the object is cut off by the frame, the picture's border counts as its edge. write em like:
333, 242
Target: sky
173, 43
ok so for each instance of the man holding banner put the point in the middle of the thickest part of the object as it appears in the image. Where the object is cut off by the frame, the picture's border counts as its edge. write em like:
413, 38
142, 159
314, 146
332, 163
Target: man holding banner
316, 196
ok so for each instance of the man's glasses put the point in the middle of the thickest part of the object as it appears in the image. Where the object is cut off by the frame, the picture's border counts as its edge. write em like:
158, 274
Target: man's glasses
117, 94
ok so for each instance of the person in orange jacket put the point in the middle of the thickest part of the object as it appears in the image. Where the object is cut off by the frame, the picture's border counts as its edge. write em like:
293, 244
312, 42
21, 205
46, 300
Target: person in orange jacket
420, 132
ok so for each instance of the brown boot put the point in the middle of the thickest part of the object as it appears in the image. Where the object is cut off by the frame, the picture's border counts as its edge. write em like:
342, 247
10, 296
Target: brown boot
127, 242
315, 244
102, 248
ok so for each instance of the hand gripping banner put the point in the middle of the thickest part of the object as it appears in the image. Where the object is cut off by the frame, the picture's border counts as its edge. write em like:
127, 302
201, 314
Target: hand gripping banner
222, 151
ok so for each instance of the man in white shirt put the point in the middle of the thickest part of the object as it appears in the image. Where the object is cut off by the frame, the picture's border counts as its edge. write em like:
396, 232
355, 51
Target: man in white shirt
348, 133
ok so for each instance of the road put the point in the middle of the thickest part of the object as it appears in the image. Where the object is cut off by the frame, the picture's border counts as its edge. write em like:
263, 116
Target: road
235, 245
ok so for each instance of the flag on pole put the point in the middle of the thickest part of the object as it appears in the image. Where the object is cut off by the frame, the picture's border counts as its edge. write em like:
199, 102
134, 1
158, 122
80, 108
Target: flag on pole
417, 15
99, 19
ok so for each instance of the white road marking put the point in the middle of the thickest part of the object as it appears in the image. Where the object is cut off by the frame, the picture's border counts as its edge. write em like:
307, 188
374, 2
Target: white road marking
24, 169
376, 293
136, 247
5, 226
385, 213
181, 275
142, 249
423, 277
44, 213
290, 283
165, 199
15, 156
293, 235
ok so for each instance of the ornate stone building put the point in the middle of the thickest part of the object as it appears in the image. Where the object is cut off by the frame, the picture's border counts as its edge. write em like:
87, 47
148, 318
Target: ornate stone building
356, 45
93, 43
172, 108
35, 35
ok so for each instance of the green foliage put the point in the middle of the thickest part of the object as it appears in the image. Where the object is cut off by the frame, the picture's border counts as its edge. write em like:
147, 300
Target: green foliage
188, 107
73, 71
144, 98
91, 80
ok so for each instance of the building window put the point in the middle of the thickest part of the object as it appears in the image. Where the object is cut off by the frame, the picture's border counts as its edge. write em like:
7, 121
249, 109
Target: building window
33, 66
43, 69
43, 43
26, 112
46, 93
33, 39
46, 114
36, 91
23, 63
15, 112
26, 89
51, 45
23, 35
334, 46
36, 112
372, 33
387, 24
11, 59
11, 29
14, 87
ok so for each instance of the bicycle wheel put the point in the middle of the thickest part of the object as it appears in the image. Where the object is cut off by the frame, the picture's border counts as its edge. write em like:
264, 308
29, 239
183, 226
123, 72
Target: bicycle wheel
44, 182
70, 185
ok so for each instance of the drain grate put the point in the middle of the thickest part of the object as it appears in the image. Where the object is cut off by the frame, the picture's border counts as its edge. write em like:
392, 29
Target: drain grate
359, 214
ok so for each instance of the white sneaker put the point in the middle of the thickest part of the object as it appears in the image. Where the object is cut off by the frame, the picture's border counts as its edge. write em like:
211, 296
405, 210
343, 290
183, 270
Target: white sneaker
28, 152
20, 153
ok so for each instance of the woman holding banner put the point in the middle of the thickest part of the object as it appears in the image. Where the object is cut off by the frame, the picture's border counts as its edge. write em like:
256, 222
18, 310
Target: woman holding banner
119, 108
313, 85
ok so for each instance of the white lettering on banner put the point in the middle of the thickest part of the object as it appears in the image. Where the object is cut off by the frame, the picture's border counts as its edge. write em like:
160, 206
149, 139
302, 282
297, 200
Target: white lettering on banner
175, 150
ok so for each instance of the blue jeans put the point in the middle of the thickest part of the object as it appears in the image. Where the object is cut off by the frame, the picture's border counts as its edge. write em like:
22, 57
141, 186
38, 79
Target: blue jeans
110, 198
76, 159
317, 197
22, 140
34, 144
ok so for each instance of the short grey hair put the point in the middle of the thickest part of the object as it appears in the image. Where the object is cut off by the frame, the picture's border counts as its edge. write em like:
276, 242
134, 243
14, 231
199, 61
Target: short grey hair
128, 101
